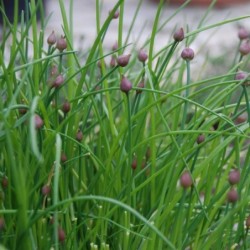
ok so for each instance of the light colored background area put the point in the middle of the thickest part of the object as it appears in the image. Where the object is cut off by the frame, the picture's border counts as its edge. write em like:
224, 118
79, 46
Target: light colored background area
84, 23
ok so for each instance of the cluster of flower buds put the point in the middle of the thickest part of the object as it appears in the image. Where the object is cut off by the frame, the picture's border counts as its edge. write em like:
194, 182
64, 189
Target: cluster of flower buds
61, 43
233, 179
244, 35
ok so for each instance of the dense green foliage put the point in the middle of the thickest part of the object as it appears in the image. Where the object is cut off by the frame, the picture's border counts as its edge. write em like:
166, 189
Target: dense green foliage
84, 165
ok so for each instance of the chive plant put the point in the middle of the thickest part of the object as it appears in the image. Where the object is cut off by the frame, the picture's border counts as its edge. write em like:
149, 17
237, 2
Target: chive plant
125, 154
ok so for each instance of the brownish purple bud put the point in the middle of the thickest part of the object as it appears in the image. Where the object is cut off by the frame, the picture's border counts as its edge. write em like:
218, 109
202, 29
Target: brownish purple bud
186, 180
22, 111
234, 176
187, 54
66, 107
54, 70
232, 195
140, 85
2, 223
123, 60
142, 56
112, 61
125, 85
4, 182
179, 35
51, 38
61, 235
242, 76
243, 33
116, 14
79, 135
200, 139
134, 163
115, 46
46, 190
58, 81
245, 48
63, 157
61, 44
38, 122
248, 222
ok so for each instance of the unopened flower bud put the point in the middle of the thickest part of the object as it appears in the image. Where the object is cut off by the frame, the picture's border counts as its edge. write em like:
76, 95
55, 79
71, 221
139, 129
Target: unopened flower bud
248, 222
234, 176
187, 54
115, 46
79, 135
242, 76
142, 56
4, 182
61, 44
200, 139
63, 157
232, 195
38, 122
243, 33
46, 190
134, 163
112, 62
51, 40
54, 70
179, 35
116, 14
123, 60
66, 107
61, 235
2, 223
186, 180
58, 81
125, 85
141, 85
245, 48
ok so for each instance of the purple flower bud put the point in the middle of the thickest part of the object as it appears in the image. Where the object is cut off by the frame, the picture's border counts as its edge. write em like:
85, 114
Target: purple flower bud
51, 40
232, 195
112, 62
134, 163
79, 135
242, 76
115, 46
247, 222
243, 33
2, 223
200, 139
61, 44
179, 35
38, 122
125, 85
187, 54
234, 176
142, 56
45, 190
116, 14
66, 107
61, 235
141, 85
245, 48
123, 60
186, 180
58, 81
63, 157
4, 182
54, 70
